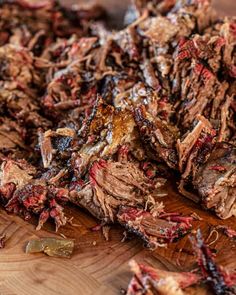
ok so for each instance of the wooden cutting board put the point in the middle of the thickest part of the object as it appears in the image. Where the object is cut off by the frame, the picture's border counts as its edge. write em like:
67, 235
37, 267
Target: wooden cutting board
97, 266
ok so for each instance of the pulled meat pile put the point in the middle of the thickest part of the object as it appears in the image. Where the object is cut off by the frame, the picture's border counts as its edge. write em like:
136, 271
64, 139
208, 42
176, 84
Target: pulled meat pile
101, 118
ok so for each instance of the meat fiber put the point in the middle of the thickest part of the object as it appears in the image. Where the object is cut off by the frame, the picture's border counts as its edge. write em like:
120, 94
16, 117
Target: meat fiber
149, 280
155, 228
115, 192
221, 281
111, 185
98, 117
215, 180
159, 136
23, 195
193, 150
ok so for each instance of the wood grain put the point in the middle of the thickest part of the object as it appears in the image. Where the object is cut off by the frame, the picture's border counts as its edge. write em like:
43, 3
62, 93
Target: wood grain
97, 266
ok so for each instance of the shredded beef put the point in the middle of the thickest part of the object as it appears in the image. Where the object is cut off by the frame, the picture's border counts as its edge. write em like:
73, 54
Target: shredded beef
216, 180
100, 117
111, 185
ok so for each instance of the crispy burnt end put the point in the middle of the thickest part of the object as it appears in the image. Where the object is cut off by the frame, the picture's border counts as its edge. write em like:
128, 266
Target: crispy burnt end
158, 135
215, 180
56, 145
220, 280
155, 230
149, 280
103, 134
112, 184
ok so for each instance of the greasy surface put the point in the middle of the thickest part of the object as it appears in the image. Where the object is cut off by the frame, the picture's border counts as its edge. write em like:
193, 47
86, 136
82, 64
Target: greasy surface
97, 266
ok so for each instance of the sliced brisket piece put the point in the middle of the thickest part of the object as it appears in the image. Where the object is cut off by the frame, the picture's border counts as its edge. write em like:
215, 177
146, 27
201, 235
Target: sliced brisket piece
155, 229
215, 180
158, 136
114, 193
220, 280
149, 281
112, 184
